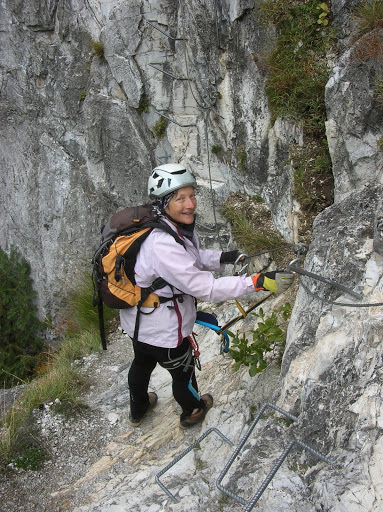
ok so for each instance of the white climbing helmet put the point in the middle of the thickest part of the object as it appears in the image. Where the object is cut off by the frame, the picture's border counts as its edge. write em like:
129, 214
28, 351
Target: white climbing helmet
167, 178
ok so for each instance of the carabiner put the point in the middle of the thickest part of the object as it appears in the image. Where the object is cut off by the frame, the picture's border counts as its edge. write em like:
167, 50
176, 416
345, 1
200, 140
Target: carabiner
296, 261
245, 257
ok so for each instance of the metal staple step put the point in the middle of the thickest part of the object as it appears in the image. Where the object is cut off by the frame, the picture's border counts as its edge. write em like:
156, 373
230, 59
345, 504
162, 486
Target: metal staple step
185, 452
248, 504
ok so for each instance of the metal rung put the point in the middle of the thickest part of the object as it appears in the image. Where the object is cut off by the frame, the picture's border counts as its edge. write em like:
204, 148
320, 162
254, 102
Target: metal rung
277, 465
173, 121
250, 504
167, 73
185, 452
165, 33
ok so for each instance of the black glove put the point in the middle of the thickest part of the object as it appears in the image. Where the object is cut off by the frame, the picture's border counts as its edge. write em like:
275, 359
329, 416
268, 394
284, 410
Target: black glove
229, 256
277, 281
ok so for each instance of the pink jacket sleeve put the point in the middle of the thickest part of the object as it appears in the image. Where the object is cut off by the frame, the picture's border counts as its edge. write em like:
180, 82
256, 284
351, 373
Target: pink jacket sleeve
183, 269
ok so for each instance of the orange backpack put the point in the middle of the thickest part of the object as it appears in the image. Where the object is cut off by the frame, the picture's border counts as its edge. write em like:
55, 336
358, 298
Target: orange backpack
114, 260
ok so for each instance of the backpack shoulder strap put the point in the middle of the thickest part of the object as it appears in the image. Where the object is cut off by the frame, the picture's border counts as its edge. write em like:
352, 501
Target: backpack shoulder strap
165, 227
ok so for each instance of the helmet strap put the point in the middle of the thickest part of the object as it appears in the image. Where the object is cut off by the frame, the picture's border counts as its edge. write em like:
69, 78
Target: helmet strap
189, 228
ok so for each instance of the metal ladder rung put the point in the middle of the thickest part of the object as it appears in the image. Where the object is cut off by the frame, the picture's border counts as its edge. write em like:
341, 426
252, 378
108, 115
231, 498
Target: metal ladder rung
250, 504
185, 452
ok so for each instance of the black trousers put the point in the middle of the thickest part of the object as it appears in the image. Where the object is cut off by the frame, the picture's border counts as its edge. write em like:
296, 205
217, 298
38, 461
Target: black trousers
178, 361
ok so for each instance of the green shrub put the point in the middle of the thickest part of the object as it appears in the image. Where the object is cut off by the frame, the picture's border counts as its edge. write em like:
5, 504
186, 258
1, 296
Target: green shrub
20, 328
160, 127
270, 334
323, 16
216, 149
144, 105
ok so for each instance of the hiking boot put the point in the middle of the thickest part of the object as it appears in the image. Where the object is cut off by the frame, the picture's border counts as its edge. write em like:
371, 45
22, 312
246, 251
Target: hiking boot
198, 415
136, 422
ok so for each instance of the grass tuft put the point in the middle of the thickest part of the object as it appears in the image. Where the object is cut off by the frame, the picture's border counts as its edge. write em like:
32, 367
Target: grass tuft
251, 224
58, 379
98, 48
369, 16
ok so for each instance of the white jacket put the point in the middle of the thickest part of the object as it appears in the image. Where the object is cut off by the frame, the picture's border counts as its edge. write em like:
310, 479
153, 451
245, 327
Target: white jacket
188, 270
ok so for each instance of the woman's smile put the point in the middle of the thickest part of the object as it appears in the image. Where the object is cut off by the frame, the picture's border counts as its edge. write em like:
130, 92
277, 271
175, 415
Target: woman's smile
182, 205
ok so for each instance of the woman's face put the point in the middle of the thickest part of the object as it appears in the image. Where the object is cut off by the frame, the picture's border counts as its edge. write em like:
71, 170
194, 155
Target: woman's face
182, 205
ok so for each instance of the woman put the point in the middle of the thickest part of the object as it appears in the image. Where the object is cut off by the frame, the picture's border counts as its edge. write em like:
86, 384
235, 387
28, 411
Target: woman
164, 333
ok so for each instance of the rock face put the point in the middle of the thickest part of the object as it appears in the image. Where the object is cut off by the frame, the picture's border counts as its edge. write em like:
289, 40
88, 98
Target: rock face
82, 89
77, 143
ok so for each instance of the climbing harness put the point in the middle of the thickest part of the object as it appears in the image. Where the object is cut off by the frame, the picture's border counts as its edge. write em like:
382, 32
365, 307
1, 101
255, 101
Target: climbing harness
183, 360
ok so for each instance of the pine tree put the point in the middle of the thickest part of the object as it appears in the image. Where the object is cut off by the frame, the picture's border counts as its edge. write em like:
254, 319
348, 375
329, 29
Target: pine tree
20, 328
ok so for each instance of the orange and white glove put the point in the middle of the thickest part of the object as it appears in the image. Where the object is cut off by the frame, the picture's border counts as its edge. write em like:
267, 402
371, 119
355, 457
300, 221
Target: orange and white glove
277, 281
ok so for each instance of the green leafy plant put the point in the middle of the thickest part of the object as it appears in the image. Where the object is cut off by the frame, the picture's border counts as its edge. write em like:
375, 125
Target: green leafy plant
269, 334
20, 327
323, 16
160, 127
82, 95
